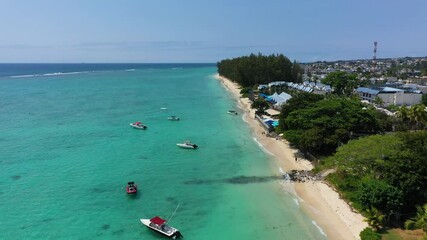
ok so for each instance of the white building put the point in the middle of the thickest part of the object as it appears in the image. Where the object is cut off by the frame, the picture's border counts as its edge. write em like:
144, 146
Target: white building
390, 96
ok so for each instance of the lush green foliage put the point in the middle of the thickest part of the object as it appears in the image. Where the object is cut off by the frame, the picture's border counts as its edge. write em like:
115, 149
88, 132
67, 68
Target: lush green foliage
369, 234
380, 194
419, 221
424, 99
343, 83
258, 69
374, 218
319, 125
299, 100
385, 172
260, 104
415, 117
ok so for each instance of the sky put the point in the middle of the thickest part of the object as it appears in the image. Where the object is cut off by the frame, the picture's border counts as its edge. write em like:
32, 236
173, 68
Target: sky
207, 31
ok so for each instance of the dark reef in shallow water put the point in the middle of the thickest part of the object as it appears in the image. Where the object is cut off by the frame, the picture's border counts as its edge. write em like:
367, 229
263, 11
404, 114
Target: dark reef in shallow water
15, 177
236, 180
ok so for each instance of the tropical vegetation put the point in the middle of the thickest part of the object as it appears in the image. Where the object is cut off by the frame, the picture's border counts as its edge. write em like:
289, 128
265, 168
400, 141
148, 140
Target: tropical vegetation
379, 160
382, 175
259, 69
318, 125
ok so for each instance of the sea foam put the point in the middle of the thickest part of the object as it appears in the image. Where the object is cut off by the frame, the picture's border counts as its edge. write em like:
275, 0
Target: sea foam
262, 147
319, 228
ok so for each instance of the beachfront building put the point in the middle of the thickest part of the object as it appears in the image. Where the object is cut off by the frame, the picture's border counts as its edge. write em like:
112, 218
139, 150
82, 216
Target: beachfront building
390, 96
269, 119
310, 87
277, 100
262, 86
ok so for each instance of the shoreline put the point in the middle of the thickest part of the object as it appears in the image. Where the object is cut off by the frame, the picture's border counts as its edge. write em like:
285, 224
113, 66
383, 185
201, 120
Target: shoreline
317, 199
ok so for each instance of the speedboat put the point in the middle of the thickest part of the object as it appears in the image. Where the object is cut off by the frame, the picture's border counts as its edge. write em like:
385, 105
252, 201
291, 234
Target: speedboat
138, 125
173, 118
131, 188
232, 112
159, 225
187, 144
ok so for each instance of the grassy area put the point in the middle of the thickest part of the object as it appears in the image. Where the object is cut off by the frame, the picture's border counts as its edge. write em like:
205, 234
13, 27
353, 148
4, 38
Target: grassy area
399, 234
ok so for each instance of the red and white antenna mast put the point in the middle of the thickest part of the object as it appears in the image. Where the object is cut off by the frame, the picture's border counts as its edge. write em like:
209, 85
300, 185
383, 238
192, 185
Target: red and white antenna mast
375, 51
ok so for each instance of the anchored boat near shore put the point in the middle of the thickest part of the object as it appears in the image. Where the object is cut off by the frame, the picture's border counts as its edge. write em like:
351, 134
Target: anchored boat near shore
131, 188
160, 225
187, 144
138, 125
173, 118
232, 112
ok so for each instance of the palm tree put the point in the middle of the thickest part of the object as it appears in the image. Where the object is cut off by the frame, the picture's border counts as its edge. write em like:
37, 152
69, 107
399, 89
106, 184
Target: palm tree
374, 218
420, 220
403, 114
418, 114
379, 101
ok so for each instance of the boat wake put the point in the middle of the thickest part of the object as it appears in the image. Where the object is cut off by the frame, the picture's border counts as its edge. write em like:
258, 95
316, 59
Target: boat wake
50, 74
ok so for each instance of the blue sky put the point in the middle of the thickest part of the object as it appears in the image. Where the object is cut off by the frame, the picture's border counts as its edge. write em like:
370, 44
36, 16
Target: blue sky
208, 30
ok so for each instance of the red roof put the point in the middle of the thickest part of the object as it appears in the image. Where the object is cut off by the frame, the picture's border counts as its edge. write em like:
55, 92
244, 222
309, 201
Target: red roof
157, 220
137, 123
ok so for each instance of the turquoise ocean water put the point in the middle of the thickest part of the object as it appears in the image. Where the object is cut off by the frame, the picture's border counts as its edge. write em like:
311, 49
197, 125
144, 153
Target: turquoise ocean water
67, 152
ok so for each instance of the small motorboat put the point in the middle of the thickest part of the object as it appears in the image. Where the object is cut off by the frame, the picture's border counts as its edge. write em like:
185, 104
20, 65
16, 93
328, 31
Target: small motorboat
138, 125
187, 144
232, 112
160, 225
131, 188
173, 118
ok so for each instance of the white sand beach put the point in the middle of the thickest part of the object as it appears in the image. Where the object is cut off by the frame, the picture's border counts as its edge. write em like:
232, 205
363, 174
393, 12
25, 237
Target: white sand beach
317, 199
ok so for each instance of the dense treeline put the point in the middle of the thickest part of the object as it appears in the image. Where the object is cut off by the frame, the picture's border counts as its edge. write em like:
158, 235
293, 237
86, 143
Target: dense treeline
383, 175
318, 125
259, 69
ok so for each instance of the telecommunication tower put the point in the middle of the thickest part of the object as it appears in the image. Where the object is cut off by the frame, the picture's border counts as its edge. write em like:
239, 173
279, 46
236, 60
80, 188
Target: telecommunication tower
375, 51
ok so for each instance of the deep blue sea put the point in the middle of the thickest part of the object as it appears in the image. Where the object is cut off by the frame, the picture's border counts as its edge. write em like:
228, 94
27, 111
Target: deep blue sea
67, 152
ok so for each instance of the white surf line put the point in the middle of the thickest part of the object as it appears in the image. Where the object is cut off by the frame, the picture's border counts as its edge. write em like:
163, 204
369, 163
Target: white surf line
288, 187
319, 228
262, 147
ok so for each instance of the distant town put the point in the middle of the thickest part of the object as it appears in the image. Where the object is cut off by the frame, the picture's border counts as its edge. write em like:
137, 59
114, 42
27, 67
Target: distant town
396, 81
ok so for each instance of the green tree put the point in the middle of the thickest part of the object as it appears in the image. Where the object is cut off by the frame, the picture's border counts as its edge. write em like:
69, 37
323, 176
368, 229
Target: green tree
402, 115
342, 83
388, 172
374, 218
380, 195
379, 101
260, 104
329, 123
365, 156
406, 169
258, 69
298, 101
418, 115
369, 234
419, 221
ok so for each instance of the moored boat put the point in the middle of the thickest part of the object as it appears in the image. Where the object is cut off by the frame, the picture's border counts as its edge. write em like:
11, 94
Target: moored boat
159, 225
138, 125
173, 118
187, 144
131, 188
232, 112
